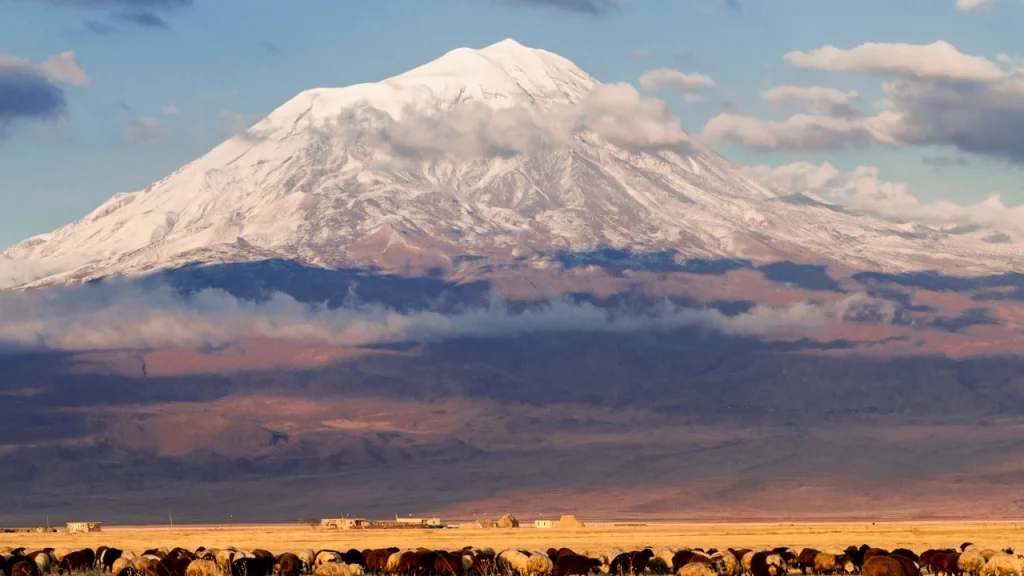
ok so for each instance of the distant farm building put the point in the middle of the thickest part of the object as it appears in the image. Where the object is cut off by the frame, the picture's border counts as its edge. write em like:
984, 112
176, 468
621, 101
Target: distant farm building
418, 521
543, 524
343, 523
76, 527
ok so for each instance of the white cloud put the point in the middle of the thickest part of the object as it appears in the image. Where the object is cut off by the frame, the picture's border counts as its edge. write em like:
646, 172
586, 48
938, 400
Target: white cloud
817, 99
142, 129
169, 109
616, 113
936, 60
863, 190
666, 78
64, 69
120, 315
803, 131
796, 177
936, 96
968, 5
16, 272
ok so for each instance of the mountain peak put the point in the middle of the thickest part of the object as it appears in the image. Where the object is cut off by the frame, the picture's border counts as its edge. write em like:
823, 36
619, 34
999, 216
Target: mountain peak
503, 72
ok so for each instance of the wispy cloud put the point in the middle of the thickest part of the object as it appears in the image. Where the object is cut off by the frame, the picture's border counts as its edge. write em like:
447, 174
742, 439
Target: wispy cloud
594, 7
668, 79
142, 129
143, 13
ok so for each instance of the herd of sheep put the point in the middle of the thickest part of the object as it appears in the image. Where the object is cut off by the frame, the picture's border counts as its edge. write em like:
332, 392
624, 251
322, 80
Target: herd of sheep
967, 560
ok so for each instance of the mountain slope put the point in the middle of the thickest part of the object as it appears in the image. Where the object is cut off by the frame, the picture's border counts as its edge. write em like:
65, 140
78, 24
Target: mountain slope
507, 155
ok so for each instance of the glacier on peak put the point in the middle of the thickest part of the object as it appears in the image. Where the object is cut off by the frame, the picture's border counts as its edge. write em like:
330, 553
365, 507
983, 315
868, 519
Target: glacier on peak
501, 153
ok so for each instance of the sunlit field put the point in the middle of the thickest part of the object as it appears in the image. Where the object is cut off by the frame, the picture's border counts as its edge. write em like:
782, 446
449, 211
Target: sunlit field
280, 537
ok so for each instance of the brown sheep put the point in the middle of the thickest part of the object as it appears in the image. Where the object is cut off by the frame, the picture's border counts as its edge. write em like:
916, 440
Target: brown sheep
22, 566
806, 559
485, 564
905, 553
883, 566
909, 566
74, 562
767, 563
288, 564
575, 565
684, 557
448, 564
631, 562
872, 552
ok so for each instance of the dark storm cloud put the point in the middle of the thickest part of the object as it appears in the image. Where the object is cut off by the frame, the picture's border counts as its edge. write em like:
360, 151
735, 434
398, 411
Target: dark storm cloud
26, 93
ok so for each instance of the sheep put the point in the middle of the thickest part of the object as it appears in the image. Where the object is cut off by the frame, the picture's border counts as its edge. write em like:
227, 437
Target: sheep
696, 569
306, 557
224, 558
393, 561
730, 565
539, 564
43, 563
203, 568
513, 561
665, 555
971, 562
745, 560
826, 563
988, 553
60, 553
1003, 564
325, 556
122, 563
339, 569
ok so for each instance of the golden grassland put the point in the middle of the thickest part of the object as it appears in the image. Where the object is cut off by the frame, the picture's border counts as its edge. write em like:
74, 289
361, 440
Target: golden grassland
595, 537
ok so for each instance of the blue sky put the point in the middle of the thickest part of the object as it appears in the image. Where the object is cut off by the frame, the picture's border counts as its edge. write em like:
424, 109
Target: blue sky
169, 79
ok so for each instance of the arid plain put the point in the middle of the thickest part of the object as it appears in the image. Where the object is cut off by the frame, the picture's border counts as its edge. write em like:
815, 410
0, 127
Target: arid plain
283, 537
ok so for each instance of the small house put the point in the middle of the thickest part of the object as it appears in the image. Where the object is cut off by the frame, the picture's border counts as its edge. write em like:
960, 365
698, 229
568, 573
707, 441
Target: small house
543, 524
77, 527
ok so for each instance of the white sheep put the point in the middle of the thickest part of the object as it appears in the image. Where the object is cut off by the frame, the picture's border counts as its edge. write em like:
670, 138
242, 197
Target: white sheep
43, 563
971, 562
203, 568
730, 565
306, 557
512, 562
1002, 564
988, 553
539, 564
339, 569
122, 563
224, 559
325, 556
393, 560
696, 569
60, 553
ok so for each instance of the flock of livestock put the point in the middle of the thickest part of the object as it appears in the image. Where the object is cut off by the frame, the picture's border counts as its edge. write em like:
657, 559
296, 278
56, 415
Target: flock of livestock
968, 560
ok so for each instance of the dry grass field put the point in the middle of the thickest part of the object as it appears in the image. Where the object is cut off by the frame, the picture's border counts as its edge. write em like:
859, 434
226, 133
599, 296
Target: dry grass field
914, 535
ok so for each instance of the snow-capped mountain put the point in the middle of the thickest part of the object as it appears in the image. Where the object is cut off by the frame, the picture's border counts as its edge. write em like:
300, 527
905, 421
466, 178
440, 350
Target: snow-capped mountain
501, 154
